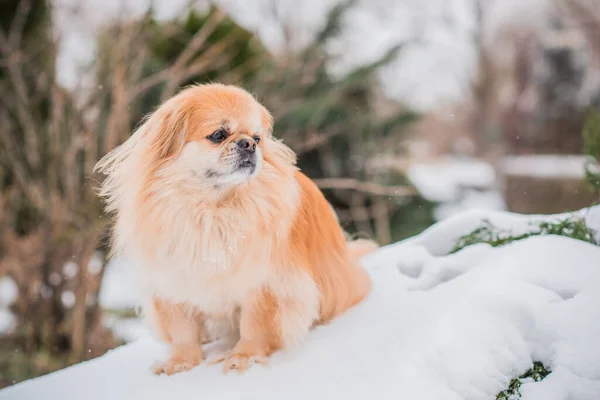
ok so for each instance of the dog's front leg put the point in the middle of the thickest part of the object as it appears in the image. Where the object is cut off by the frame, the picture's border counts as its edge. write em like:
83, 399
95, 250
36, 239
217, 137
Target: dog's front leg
260, 332
269, 322
181, 326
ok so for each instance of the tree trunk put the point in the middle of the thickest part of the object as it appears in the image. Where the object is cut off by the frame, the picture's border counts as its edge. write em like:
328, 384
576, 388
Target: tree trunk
79, 325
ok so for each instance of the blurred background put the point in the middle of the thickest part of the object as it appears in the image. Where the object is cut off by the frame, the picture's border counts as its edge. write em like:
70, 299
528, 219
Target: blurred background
404, 112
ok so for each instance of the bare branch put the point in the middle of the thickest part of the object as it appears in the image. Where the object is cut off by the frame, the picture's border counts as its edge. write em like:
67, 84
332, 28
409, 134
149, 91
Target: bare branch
117, 121
360, 213
381, 216
21, 104
371, 213
199, 39
148, 83
204, 65
17, 28
28, 186
243, 69
315, 141
215, 52
589, 19
56, 119
365, 187
175, 74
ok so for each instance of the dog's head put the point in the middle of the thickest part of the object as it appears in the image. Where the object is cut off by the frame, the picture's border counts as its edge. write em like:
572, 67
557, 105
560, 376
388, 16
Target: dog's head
218, 133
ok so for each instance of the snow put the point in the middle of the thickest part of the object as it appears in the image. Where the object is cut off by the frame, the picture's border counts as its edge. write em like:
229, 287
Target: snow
592, 219
126, 329
442, 180
470, 200
458, 184
545, 166
8, 291
436, 326
8, 294
7, 321
118, 292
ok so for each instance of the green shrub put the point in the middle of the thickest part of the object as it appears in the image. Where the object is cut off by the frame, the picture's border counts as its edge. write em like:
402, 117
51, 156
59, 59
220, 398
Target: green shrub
591, 140
488, 233
538, 372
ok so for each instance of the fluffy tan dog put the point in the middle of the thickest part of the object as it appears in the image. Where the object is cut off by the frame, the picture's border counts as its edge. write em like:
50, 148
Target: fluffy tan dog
220, 225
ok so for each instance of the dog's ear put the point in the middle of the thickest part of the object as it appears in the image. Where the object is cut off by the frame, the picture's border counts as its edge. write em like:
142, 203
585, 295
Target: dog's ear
168, 129
276, 153
266, 120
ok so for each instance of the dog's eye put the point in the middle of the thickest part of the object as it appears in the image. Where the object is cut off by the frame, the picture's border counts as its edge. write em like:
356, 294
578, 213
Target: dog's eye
257, 139
218, 136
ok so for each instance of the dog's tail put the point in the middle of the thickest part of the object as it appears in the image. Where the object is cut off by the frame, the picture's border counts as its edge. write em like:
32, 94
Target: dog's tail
358, 248
361, 247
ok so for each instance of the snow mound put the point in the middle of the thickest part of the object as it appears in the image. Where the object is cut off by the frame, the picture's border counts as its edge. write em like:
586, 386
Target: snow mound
436, 326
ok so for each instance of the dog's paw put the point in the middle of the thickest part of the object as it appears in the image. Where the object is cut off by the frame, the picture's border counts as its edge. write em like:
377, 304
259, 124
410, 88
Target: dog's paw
175, 365
239, 361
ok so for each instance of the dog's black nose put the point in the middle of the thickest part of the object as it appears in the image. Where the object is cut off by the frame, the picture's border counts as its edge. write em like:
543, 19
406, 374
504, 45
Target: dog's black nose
247, 145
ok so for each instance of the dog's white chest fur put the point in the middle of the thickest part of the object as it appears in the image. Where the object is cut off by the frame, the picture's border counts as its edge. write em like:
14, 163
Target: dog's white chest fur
212, 263
212, 295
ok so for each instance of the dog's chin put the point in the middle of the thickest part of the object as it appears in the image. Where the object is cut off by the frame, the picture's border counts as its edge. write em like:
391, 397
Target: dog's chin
246, 167
238, 174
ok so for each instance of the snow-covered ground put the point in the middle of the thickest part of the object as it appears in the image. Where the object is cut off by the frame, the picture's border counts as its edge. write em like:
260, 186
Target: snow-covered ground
436, 326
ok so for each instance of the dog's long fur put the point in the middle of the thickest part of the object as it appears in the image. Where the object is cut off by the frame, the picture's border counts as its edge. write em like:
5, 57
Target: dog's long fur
262, 251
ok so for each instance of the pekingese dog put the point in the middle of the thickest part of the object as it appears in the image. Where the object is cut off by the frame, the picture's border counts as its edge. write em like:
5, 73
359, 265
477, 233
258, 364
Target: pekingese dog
220, 225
